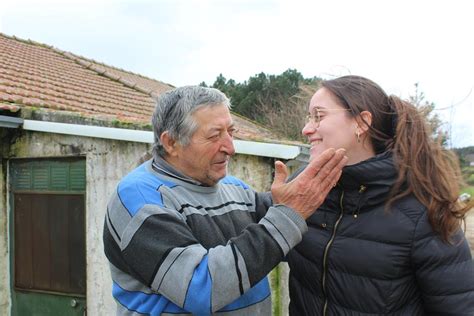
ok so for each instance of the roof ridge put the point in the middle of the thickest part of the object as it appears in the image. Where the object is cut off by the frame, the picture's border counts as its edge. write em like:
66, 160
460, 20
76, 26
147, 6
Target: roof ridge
28, 41
93, 65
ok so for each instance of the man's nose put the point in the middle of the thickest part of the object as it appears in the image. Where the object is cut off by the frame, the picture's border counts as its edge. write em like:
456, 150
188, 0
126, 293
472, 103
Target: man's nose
227, 145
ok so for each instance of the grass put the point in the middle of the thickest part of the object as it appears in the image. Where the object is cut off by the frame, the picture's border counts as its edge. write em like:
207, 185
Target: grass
469, 189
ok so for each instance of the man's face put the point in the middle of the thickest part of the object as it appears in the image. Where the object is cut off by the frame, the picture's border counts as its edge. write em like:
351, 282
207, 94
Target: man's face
206, 157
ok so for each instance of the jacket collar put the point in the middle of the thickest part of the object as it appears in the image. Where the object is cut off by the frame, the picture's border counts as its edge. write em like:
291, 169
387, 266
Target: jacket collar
363, 185
378, 170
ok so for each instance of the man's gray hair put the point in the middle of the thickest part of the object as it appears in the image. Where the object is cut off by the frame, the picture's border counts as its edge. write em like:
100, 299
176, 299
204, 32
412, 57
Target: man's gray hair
174, 113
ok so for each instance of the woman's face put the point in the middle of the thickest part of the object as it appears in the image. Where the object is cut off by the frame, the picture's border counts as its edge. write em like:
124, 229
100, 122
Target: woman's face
330, 125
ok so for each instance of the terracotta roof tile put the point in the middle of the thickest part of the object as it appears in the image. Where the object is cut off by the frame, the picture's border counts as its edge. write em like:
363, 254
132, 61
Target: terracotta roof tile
40, 76
9, 107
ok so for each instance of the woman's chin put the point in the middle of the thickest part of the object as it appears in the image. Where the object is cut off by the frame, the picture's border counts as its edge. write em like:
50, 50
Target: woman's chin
315, 151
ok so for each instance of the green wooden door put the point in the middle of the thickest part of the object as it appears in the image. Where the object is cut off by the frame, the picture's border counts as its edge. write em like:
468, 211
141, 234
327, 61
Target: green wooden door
48, 264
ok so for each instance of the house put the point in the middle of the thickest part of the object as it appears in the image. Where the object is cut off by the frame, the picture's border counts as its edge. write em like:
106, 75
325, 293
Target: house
70, 129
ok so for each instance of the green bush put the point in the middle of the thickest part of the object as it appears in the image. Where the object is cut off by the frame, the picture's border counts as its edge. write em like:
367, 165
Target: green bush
470, 179
469, 190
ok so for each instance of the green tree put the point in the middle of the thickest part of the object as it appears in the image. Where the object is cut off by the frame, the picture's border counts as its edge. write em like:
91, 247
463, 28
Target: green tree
273, 100
427, 109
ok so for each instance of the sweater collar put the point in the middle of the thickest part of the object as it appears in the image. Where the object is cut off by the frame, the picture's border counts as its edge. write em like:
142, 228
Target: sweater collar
160, 165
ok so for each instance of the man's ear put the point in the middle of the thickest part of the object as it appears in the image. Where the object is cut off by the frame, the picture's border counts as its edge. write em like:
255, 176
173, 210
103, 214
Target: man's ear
169, 144
364, 121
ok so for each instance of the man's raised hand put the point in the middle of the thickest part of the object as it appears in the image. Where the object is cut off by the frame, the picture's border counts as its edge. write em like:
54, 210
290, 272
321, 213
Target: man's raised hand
307, 191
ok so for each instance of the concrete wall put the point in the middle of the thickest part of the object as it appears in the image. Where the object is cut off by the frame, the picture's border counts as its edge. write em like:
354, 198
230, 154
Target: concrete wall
255, 171
107, 162
4, 262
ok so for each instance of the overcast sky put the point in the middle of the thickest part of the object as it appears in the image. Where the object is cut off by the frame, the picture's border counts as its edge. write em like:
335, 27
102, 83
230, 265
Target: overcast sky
396, 43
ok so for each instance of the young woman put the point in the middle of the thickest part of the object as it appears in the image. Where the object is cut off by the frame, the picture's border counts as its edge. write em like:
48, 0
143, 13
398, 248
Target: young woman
388, 238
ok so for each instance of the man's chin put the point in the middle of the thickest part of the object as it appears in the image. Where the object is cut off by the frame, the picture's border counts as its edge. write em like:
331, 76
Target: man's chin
216, 177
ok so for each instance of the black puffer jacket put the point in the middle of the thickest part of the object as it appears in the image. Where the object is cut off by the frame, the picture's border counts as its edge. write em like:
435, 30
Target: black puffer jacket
359, 259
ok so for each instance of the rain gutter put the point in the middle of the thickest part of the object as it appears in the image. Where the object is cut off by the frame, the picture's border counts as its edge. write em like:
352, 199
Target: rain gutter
10, 122
272, 150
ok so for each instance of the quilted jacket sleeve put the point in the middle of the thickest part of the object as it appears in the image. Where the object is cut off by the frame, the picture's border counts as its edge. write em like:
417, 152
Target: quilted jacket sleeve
444, 271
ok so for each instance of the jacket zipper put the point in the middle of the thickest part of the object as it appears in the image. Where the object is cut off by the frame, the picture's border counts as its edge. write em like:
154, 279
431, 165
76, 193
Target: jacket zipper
326, 250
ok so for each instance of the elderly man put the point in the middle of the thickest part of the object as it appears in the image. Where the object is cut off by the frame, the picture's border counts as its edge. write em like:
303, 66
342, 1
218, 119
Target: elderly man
182, 237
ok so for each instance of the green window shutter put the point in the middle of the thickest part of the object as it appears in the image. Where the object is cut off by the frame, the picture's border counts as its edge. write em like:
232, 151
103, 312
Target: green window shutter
40, 177
77, 175
49, 175
59, 176
22, 177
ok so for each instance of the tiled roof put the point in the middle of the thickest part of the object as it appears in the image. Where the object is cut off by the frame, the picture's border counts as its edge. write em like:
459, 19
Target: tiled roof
35, 75
138, 82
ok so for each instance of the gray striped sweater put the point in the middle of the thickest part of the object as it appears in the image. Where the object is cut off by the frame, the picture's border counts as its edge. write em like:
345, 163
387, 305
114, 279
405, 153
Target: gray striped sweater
176, 247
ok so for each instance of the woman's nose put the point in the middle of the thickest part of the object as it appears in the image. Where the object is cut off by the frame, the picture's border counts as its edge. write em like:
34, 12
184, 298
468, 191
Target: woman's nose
308, 129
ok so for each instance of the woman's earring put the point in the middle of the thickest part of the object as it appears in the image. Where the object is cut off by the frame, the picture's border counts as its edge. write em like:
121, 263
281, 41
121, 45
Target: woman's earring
358, 136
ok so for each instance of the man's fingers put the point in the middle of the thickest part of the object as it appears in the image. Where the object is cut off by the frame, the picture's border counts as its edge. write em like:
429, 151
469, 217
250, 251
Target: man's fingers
333, 163
281, 173
336, 159
318, 162
329, 159
331, 180
329, 175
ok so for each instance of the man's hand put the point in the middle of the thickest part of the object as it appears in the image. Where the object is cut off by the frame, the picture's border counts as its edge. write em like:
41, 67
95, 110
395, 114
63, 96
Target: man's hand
308, 190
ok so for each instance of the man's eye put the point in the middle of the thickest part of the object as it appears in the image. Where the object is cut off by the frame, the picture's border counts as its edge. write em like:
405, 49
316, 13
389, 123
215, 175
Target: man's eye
232, 131
213, 137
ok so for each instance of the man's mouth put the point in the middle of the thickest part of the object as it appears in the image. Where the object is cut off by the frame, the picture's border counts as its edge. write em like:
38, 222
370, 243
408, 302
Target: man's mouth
222, 162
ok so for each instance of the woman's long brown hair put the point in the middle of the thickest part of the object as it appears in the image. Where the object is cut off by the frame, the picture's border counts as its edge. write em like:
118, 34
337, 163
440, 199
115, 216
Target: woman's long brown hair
425, 169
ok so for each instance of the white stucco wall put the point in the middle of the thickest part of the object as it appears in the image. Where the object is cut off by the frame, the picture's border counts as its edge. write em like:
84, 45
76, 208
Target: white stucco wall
107, 162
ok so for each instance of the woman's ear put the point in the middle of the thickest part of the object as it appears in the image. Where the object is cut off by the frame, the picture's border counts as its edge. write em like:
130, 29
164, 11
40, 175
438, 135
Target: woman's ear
169, 144
364, 121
